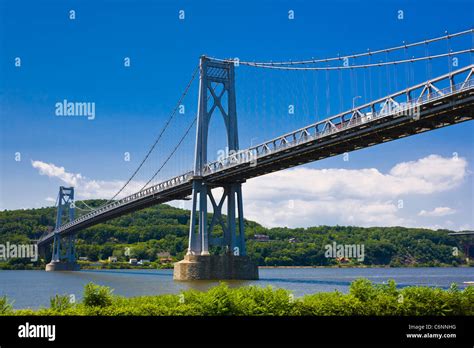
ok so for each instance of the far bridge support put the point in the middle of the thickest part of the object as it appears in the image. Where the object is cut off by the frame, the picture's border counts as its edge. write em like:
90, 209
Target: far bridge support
64, 249
216, 91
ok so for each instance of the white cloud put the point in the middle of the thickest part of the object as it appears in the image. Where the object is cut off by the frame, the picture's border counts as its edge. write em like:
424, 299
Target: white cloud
364, 197
50, 199
51, 171
428, 175
86, 188
319, 212
465, 227
303, 197
439, 211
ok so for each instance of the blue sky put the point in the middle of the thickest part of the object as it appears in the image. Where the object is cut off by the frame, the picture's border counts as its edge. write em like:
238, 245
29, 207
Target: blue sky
83, 60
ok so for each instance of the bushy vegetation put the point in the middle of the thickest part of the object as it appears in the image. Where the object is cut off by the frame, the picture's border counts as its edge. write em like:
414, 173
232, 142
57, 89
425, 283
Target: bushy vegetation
164, 228
61, 303
364, 298
5, 306
97, 296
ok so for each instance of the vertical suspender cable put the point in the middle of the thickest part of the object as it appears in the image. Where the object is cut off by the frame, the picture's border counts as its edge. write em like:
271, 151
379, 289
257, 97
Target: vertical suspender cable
448, 44
355, 80
380, 81
351, 86
428, 64
341, 103
305, 98
407, 67
389, 82
365, 85
370, 75
328, 105
472, 45
316, 95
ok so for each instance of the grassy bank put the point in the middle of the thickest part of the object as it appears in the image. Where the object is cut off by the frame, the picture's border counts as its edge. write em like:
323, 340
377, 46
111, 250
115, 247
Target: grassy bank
363, 298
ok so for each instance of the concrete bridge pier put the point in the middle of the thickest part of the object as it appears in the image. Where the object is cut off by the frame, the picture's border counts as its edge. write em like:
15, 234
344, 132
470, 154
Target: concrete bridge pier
60, 261
212, 267
62, 266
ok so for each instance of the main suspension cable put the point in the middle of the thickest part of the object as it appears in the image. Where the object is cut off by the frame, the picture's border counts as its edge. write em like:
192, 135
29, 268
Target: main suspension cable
177, 145
82, 202
411, 60
171, 154
170, 118
339, 58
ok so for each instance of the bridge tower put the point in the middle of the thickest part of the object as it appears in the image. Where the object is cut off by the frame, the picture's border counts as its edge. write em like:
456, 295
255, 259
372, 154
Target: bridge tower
64, 260
216, 91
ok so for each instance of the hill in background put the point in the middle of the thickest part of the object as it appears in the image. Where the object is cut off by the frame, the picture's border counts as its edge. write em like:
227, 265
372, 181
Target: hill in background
163, 229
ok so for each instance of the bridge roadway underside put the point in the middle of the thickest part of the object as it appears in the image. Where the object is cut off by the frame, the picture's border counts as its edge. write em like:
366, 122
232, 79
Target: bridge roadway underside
450, 112
177, 192
440, 113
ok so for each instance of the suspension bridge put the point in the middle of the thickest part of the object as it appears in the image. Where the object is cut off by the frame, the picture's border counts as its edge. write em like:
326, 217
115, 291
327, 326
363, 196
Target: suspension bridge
437, 102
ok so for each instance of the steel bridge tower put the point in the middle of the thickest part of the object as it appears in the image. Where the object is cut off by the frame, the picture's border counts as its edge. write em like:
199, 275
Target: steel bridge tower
216, 91
64, 260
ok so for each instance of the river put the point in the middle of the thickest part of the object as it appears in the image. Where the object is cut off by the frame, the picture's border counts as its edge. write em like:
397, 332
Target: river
33, 289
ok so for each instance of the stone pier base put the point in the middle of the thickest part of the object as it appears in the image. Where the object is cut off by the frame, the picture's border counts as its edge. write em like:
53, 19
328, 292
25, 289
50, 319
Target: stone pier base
215, 267
62, 266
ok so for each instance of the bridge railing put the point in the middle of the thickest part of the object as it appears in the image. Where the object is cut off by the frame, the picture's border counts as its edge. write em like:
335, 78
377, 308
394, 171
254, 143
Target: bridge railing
343, 121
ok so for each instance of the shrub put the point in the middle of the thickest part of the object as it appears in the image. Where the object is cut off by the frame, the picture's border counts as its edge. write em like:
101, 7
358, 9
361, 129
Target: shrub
253, 300
5, 306
362, 289
334, 303
60, 303
418, 300
97, 295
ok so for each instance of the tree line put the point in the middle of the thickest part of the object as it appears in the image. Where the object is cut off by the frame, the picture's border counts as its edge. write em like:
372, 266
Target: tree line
148, 233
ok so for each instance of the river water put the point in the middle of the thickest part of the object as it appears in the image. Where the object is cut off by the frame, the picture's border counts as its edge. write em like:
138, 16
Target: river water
33, 289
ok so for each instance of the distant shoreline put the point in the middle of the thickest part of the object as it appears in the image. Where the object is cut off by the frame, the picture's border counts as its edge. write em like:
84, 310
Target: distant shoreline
260, 267
369, 266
